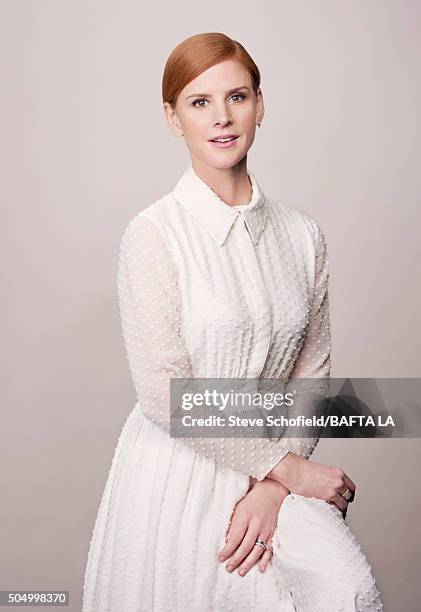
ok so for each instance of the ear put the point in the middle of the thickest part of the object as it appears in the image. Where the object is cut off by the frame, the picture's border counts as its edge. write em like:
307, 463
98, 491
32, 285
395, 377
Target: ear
260, 106
172, 119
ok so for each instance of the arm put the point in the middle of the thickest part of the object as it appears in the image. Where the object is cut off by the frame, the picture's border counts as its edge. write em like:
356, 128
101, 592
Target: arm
254, 516
150, 310
312, 367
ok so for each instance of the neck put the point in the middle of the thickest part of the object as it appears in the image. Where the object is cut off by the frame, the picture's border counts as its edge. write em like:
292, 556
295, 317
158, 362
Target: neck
232, 185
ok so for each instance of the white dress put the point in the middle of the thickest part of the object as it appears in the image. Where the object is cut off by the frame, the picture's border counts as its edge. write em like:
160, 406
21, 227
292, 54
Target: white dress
213, 291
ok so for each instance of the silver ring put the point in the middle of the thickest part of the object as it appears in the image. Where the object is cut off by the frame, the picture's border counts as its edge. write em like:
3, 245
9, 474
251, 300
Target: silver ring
262, 544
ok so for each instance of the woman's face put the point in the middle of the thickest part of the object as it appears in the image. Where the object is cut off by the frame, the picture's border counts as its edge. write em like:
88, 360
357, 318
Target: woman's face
219, 102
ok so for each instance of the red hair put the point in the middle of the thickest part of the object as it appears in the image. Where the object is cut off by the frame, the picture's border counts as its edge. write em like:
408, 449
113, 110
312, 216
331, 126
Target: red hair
196, 54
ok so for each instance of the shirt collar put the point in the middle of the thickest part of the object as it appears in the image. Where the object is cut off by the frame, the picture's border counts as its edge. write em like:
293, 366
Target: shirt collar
213, 214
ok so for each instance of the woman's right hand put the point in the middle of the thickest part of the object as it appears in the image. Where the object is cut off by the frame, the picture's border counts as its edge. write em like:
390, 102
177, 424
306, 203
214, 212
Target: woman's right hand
312, 479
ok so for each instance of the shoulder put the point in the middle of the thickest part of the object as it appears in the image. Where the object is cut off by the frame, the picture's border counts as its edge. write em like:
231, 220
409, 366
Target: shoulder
151, 220
299, 225
144, 235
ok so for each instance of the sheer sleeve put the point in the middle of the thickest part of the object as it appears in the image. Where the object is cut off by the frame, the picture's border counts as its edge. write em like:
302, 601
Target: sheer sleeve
311, 370
150, 311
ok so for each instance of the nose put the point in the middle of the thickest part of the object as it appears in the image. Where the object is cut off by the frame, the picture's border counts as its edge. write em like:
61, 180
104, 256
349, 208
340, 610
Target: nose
222, 116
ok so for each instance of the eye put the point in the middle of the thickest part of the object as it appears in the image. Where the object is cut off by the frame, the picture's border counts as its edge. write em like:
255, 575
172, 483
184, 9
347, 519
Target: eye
198, 100
238, 95
195, 102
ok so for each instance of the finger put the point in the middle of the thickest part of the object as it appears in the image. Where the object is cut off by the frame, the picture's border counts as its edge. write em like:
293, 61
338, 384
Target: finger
227, 533
244, 549
339, 502
351, 486
230, 524
267, 556
254, 555
265, 559
349, 483
236, 534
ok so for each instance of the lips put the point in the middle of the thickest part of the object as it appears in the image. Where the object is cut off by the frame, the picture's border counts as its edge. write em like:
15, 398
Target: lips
224, 137
227, 144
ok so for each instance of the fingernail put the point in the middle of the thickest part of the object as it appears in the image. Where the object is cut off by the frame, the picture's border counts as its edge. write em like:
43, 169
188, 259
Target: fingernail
230, 568
242, 572
222, 558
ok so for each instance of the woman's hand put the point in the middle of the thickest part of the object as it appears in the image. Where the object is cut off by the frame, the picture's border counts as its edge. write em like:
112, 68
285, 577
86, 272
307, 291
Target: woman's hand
312, 479
254, 517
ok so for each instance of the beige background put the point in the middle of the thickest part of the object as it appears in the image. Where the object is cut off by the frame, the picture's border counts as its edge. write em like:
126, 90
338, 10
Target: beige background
85, 146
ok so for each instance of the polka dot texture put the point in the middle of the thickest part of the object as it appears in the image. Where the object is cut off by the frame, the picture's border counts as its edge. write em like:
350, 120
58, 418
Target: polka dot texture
208, 290
190, 308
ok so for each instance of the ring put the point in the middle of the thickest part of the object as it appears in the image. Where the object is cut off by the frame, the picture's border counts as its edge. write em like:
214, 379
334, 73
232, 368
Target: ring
346, 495
262, 544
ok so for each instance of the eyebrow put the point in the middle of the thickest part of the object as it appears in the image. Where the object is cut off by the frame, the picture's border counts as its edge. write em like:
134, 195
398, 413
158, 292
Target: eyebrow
203, 95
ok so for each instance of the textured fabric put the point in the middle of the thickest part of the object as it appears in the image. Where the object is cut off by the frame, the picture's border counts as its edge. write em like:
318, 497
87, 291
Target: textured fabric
189, 309
214, 291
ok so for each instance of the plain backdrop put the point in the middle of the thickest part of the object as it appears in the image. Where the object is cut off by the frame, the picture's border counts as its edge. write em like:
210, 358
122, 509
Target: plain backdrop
85, 147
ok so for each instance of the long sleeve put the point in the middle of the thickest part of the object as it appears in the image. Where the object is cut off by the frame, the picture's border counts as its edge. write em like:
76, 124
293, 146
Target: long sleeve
311, 371
150, 311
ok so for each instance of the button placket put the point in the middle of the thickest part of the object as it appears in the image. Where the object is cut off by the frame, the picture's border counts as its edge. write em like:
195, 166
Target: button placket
248, 249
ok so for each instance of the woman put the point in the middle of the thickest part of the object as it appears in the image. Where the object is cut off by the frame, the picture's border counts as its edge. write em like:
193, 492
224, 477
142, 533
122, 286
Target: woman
217, 281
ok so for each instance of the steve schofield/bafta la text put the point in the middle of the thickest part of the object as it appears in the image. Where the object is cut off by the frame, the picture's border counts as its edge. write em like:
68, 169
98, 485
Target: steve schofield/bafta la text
220, 401
283, 421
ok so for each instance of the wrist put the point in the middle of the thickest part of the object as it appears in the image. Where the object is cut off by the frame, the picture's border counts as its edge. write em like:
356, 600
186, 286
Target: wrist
285, 470
278, 490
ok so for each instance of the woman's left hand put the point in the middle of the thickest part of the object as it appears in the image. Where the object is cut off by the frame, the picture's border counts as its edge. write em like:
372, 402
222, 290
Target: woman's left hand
254, 517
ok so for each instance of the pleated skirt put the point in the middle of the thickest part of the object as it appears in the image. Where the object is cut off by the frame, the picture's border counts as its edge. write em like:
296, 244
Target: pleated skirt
162, 522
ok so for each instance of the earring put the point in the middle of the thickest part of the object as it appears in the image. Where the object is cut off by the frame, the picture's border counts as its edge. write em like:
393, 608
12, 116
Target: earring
260, 124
